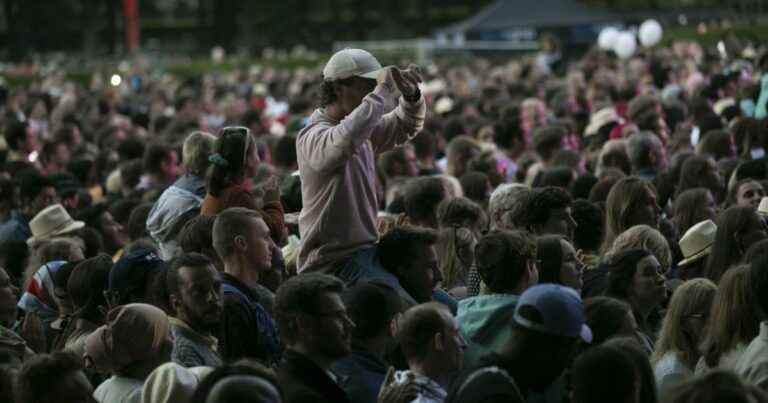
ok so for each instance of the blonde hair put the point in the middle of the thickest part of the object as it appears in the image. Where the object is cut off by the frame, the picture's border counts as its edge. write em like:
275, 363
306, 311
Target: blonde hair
691, 298
449, 247
507, 202
643, 237
195, 151
733, 320
622, 199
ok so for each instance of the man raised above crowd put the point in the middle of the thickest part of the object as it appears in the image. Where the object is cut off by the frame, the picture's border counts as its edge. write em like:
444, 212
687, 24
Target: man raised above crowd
336, 157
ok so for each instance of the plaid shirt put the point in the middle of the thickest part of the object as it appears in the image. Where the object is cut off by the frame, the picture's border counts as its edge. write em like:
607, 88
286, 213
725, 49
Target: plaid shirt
192, 349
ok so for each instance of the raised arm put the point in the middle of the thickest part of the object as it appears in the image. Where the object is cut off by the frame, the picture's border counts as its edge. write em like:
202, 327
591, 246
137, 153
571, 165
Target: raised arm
407, 119
326, 148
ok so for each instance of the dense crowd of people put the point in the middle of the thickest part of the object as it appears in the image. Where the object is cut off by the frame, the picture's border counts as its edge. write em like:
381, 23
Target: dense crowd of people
518, 231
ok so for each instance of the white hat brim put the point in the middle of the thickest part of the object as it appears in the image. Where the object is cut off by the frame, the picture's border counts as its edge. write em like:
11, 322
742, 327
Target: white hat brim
73, 226
372, 75
695, 257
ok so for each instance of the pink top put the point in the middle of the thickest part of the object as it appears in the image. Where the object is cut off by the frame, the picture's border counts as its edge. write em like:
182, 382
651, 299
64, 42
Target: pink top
337, 166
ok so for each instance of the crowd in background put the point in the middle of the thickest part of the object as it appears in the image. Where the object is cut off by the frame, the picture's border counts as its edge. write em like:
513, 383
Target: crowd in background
515, 230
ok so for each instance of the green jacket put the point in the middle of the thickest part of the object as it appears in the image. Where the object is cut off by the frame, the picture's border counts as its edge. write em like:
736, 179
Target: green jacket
485, 322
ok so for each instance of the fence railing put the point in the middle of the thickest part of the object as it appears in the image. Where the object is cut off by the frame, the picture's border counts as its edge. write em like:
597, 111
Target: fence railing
424, 50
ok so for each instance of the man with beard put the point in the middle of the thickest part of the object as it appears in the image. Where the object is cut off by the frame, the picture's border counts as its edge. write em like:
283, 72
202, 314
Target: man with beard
317, 331
194, 287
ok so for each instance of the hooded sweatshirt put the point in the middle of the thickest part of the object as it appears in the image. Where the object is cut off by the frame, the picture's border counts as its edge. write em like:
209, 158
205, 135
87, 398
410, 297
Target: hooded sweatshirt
485, 322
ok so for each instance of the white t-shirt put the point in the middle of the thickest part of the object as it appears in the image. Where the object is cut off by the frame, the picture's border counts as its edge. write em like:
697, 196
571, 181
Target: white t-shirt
119, 389
669, 372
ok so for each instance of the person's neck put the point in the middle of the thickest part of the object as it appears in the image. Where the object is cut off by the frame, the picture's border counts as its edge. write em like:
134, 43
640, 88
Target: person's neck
642, 309
237, 267
335, 112
376, 346
197, 327
431, 371
519, 289
321, 361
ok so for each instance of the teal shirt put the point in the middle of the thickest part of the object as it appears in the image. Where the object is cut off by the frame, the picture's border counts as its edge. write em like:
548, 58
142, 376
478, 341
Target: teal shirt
485, 322
760, 110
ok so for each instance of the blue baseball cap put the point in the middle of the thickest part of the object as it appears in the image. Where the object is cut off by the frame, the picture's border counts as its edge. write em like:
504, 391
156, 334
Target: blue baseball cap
131, 270
560, 310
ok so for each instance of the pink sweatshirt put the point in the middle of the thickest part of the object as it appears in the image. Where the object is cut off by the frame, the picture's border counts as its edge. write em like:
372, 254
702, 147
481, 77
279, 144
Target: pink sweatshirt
337, 165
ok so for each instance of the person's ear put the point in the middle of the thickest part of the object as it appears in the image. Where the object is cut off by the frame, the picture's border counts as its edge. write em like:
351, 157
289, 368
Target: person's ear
438, 340
240, 243
299, 322
338, 90
175, 302
394, 324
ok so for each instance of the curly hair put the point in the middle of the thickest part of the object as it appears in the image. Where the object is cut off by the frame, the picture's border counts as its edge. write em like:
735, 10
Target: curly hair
507, 206
399, 246
543, 201
327, 91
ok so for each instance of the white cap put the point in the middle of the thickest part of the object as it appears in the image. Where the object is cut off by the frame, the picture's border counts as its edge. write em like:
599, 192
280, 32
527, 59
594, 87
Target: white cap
349, 63
763, 207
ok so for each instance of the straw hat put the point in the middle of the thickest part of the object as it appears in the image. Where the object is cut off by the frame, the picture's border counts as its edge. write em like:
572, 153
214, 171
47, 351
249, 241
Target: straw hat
697, 242
50, 222
600, 119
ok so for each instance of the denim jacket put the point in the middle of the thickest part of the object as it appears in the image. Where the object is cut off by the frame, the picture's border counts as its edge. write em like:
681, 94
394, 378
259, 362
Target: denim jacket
185, 194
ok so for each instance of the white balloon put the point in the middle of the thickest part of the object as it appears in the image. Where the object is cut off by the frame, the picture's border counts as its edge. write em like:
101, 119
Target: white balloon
607, 38
650, 33
217, 54
625, 45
